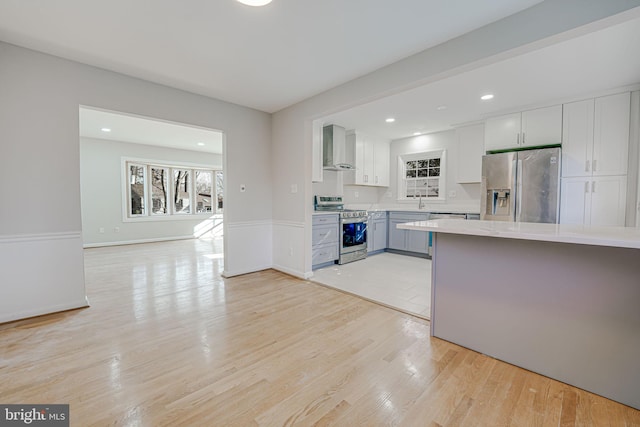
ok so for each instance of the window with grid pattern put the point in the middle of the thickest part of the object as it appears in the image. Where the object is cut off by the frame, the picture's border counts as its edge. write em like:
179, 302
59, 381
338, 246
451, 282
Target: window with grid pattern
422, 175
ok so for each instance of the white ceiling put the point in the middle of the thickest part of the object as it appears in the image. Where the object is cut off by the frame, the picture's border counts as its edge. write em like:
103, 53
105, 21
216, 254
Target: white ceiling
265, 58
141, 130
269, 58
596, 62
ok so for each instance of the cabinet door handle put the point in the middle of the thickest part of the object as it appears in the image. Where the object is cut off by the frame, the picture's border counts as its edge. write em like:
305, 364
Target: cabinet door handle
522, 138
586, 166
594, 164
586, 187
518, 138
593, 187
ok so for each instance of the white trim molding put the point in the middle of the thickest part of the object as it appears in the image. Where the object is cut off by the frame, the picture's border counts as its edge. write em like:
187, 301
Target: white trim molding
137, 241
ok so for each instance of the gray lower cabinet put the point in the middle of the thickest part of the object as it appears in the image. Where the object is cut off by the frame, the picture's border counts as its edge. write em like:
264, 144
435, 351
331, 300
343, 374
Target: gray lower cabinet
324, 239
408, 240
377, 232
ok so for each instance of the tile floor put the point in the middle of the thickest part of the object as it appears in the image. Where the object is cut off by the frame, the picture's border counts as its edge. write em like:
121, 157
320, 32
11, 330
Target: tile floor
399, 281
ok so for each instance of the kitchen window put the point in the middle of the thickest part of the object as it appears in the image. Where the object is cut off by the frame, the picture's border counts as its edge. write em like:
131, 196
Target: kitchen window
422, 176
156, 191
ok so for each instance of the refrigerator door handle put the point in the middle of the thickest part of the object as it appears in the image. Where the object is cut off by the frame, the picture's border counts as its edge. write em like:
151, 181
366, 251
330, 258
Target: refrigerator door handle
518, 188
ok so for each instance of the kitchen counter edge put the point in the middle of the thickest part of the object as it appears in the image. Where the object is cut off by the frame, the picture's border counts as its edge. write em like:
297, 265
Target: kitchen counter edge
622, 237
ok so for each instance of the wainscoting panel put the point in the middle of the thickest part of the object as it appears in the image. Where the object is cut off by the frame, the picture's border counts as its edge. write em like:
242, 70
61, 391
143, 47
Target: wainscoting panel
248, 247
289, 248
41, 274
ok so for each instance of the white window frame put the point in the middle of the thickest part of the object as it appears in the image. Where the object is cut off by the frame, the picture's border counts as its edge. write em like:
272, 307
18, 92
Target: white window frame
171, 215
425, 155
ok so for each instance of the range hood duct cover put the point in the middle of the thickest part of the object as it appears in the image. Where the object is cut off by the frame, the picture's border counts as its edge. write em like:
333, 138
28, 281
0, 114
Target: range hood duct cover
334, 151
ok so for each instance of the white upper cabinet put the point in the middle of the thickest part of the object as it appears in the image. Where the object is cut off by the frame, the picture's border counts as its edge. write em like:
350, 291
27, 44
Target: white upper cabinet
532, 128
577, 138
470, 151
371, 161
595, 136
542, 126
503, 132
381, 161
611, 135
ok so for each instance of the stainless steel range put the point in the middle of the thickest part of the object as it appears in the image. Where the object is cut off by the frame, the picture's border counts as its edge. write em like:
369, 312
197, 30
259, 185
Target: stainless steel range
353, 226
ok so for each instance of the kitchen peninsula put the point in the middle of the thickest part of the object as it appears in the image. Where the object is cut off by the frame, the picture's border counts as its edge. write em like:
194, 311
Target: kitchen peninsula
559, 300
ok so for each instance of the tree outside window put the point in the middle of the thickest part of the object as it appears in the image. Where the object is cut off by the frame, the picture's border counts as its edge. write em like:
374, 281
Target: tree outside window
172, 190
421, 176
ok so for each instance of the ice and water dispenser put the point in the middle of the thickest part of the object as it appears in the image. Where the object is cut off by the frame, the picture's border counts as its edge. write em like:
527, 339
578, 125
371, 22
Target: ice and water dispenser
499, 202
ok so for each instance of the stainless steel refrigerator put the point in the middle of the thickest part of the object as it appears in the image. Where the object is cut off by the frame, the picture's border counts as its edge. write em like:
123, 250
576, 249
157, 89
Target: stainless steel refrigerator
521, 186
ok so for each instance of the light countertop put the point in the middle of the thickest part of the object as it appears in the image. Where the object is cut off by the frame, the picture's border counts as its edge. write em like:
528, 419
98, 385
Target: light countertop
447, 209
623, 237
413, 208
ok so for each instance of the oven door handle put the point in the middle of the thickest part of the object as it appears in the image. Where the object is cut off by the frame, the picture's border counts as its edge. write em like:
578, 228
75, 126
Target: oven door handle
353, 220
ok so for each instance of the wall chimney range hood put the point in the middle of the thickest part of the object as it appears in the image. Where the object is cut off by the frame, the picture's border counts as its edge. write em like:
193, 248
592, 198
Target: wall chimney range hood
334, 152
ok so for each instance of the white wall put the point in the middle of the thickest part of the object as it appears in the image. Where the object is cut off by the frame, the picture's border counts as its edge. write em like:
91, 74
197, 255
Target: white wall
40, 213
101, 177
542, 25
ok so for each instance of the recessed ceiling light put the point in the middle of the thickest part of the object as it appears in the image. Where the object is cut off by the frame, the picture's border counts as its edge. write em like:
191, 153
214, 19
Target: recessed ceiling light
390, 120
255, 2
417, 133
201, 144
105, 130
441, 107
487, 97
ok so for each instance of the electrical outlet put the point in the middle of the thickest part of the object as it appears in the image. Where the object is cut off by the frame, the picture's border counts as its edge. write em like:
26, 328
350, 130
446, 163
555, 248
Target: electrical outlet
452, 194
356, 194
290, 251
294, 188
101, 230
116, 229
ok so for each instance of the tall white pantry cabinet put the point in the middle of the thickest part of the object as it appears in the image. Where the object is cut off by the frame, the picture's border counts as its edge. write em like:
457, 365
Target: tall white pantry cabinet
595, 147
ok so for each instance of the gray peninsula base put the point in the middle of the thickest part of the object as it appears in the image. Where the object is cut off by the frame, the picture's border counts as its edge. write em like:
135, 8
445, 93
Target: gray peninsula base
567, 311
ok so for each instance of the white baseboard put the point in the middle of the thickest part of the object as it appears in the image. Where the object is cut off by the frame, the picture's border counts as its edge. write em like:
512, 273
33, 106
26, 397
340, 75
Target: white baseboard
296, 273
228, 274
42, 310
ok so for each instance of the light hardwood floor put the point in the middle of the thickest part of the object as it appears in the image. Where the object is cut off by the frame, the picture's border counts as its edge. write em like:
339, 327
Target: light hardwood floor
167, 341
